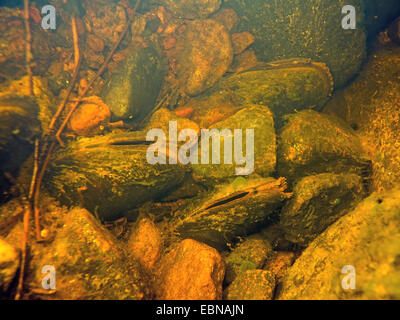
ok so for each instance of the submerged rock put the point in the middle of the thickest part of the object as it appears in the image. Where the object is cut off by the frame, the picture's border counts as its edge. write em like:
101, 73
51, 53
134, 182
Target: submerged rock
232, 211
394, 31
252, 285
110, 174
283, 86
307, 29
227, 17
258, 118
311, 142
9, 264
317, 202
366, 239
90, 116
145, 243
241, 41
133, 89
204, 54
190, 9
280, 263
19, 126
89, 263
251, 254
375, 113
190, 271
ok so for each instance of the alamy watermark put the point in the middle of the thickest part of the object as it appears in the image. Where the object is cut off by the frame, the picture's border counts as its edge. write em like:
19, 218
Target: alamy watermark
349, 280
188, 152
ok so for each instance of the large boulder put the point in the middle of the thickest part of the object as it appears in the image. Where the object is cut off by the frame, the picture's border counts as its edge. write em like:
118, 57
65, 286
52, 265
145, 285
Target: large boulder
375, 113
204, 54
311, 142
309, 29
317, 202
88, 261
365, 242
133, 89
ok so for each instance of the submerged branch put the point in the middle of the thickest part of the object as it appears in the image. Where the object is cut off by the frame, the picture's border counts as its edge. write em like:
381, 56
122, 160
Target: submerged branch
28, 46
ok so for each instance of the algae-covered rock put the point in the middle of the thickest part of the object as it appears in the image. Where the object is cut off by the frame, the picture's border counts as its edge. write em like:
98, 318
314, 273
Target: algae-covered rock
311, 142
307, 29
317, 202
9, 263
110, 174
257, 118
282, 86
371, 104
220, 217
88, 262
366, 241
133, 89
204, 54
252, 285
190, 9
249, 255
190, 271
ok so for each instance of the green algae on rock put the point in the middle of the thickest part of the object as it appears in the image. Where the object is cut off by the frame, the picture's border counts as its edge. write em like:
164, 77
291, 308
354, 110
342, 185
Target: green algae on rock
248, 255
307, 29
368, 239
252, 285
133, 89
255, 117
317, 202
219, 218
311, 142
283, 86
110, 174
89, 262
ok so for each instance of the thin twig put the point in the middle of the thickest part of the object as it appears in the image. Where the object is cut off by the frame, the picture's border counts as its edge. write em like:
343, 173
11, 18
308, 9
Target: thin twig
48, 150
28, 47
77, 57
27, 215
